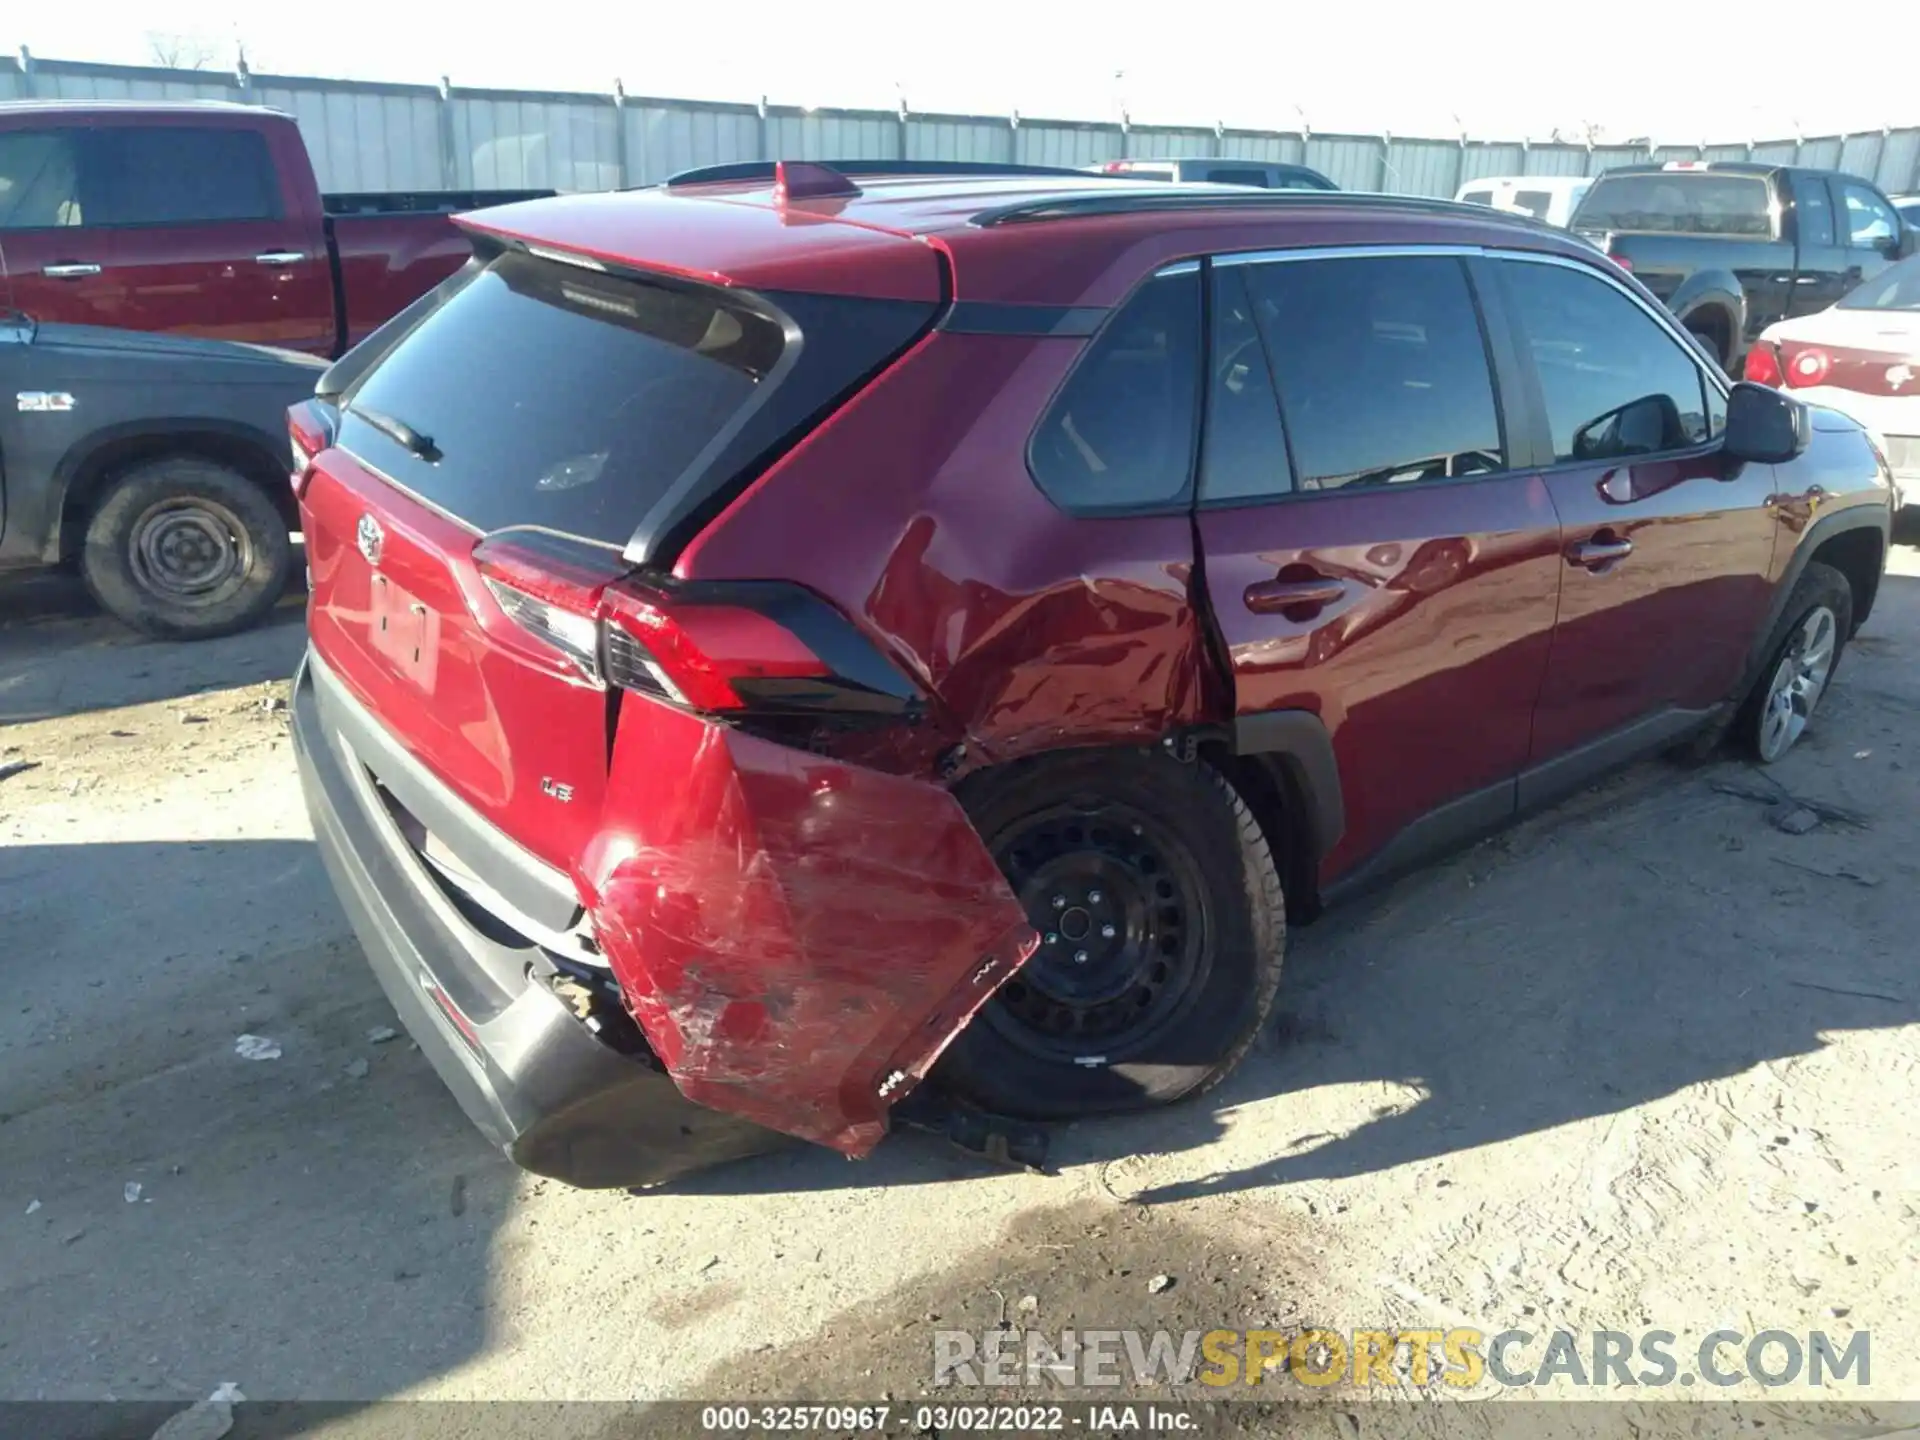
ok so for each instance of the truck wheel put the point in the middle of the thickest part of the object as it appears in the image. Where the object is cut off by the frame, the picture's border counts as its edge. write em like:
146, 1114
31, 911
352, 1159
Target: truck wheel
1162, 928
1801, 659
1709, 342
184, 548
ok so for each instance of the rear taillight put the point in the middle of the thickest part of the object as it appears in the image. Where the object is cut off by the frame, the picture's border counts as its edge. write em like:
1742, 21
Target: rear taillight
706, 657
1809, 366
1622, 261
1118, 167
720, 649
309, 431
1763, 365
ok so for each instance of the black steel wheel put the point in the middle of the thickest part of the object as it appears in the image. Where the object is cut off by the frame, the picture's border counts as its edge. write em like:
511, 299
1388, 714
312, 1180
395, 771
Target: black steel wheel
184, 548
1161, 924
1121, 910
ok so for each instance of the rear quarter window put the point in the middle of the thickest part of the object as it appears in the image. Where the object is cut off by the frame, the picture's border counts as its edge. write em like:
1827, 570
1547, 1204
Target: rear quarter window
1119, 435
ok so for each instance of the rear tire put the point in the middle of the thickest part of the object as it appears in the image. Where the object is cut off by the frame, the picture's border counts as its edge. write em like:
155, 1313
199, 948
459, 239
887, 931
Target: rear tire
1802, 655
1710, 342
184, 549
1163, 930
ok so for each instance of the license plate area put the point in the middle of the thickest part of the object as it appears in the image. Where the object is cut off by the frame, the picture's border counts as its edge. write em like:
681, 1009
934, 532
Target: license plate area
404, 631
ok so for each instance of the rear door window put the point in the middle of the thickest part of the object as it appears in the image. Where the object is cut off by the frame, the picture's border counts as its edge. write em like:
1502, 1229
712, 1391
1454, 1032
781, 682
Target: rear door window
1238, 175
1478, 197
176, 175
541, 394
1535, 202
39, 179
1119, 436
1679, 202
1812, 211
1381, 368
1615, 383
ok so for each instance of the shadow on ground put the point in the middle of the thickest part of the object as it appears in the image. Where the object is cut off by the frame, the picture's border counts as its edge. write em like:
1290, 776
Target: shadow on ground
59, 655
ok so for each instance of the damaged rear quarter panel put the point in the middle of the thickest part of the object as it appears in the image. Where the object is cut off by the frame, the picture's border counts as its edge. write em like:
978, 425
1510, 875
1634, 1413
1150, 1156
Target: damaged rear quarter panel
798, 937
913, 511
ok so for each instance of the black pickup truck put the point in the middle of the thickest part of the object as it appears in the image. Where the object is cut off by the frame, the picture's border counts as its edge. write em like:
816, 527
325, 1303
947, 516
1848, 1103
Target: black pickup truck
154, 464
1731, 248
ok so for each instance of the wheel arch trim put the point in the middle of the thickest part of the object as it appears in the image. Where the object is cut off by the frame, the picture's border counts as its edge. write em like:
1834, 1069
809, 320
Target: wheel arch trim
1841, 522
79, 474
1297, 740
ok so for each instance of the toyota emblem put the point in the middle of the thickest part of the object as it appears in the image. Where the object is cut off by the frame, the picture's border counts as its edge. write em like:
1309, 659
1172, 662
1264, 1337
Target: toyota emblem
370, 537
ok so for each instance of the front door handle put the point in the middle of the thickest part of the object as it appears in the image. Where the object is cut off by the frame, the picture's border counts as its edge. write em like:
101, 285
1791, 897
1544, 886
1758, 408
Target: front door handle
69, 270
1268, 597
1593, 554
279, 257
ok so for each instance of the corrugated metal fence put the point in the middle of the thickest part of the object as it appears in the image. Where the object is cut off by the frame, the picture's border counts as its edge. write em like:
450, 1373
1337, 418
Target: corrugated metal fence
373, 136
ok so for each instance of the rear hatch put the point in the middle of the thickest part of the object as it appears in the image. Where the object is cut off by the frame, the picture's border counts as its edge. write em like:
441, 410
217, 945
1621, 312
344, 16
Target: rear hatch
521, 466
544, 399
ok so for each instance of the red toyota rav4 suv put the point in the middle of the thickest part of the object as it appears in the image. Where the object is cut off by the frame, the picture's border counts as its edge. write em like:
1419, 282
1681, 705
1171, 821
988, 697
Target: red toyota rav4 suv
776, 628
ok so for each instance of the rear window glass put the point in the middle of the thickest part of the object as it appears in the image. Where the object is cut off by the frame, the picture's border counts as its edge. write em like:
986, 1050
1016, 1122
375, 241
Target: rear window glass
1535, 202
1678, 202
542, 394
1895, 288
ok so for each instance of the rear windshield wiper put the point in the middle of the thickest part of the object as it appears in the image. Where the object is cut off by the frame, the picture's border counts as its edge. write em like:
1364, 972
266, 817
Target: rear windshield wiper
400, 433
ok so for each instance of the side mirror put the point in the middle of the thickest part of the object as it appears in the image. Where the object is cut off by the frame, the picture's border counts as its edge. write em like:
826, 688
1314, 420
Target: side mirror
1765, 426
1640, 427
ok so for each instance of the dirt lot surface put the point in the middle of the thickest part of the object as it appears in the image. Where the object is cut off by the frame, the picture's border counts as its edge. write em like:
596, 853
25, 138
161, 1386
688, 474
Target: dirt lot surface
1647, 1061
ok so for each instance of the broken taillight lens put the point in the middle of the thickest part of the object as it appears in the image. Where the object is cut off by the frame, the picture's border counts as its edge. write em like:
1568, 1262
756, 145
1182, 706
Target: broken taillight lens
719, 649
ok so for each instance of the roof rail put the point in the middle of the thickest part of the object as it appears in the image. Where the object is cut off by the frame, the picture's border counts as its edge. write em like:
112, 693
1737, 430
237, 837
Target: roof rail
765, 170
1212, 197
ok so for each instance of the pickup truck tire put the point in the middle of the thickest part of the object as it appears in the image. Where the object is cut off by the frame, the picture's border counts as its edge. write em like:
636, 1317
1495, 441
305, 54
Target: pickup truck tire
1802, 655
1710, 342
1163, 927
184, 548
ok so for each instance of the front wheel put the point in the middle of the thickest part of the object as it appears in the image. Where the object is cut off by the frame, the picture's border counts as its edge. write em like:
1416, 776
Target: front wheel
184, 548
1806, 648
1162, 928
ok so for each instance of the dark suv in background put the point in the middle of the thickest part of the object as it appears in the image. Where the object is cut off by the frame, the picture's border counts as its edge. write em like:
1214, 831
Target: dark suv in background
772, 635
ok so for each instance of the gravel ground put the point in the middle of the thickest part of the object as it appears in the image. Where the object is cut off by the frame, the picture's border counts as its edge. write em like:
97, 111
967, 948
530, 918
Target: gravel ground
1646, 1061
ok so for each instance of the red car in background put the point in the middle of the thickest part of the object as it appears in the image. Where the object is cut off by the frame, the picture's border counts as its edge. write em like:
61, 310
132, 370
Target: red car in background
778, 632
204, 218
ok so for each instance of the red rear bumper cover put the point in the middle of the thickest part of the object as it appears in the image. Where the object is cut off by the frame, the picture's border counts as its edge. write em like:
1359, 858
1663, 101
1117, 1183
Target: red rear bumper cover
798, 937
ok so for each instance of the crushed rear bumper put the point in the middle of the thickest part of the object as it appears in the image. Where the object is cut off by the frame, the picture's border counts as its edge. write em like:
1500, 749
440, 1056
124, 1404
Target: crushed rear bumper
529, 1074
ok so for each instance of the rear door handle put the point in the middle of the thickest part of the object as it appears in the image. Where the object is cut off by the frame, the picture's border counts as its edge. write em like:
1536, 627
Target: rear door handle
1267, 597
279, 257
69, 270
1592, 554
